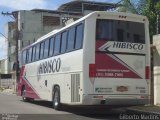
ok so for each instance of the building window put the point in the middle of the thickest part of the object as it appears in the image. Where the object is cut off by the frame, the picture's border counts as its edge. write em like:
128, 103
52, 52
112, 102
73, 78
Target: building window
51, 21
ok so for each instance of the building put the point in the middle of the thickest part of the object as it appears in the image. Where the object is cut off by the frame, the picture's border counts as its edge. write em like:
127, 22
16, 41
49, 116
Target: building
156, 68
35, 23
32, 25
86, 7
3, 69
9, 31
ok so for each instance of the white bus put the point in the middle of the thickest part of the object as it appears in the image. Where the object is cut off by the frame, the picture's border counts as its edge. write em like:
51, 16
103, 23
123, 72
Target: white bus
100, 59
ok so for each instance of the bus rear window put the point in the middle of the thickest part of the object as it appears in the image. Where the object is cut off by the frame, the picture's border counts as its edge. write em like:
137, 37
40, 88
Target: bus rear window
122, 31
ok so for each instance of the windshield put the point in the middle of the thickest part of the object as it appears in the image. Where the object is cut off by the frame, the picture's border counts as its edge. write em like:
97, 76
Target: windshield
121, 31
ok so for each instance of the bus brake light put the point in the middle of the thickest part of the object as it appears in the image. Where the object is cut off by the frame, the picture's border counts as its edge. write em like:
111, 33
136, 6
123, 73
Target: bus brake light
147, 72
91, 70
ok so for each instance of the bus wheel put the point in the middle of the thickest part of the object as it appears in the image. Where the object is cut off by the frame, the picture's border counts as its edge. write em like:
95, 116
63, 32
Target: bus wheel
56, 98
23, 94
24, 98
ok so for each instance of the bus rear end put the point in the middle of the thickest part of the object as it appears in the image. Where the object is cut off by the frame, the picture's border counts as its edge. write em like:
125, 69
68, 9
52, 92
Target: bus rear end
120, 73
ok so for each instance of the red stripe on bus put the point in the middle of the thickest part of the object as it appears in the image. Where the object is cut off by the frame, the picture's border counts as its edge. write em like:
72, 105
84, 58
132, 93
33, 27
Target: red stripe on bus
30, 92
108, 67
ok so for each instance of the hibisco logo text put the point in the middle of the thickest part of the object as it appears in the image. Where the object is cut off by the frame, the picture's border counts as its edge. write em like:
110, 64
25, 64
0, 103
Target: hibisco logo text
122, 45
50, 66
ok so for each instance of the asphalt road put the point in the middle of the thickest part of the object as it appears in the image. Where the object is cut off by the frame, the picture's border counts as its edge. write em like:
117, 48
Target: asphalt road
12, 107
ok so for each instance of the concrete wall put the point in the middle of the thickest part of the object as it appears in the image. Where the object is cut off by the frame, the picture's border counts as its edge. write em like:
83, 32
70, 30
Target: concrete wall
156, 62
31, 25
9, 31
3, 66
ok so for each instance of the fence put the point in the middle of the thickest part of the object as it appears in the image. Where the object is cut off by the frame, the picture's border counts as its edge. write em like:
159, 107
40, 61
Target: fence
6, 83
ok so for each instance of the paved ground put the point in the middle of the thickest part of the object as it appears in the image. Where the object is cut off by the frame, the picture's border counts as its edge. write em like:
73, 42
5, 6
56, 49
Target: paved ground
148, 109
11, 106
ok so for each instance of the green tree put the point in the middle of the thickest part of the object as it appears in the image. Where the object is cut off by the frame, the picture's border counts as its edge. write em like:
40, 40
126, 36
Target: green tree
127, 6
149, 8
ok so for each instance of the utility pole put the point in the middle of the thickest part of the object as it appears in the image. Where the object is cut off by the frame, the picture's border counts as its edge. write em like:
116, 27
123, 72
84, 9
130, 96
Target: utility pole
15, 14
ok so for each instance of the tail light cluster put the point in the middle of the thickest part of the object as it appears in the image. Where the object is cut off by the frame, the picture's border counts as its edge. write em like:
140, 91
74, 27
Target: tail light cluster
91, 70
147, 72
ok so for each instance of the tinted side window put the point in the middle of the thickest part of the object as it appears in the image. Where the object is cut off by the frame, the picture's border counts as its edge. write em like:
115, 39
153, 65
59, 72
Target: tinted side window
120, 35
46, 48
64, 42
71, 39
37, 51
121, 31
24, 57
41, 49
57, 44
51, 46
30, 55
79, 36
104, 30
33, 53
27, 55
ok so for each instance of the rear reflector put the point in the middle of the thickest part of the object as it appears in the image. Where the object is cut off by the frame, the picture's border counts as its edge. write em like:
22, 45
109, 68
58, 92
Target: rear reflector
91, 70
147, 72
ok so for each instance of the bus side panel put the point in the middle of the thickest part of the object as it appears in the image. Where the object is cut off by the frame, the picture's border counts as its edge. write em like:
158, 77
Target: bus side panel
71, 83
43, 83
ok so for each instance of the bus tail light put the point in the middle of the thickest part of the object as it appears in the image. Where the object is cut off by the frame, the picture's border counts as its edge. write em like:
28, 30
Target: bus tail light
91, 70
147, 72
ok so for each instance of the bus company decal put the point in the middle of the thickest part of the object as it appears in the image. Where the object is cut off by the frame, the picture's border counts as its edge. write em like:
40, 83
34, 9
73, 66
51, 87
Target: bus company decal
114, 46
50, 66
109, 65
24, 81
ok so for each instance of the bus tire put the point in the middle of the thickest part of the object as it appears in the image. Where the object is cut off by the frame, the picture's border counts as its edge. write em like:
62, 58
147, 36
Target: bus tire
24, 98
56, 98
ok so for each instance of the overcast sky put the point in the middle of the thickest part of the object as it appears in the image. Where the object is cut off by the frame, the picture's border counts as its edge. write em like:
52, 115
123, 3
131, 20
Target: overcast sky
12, 5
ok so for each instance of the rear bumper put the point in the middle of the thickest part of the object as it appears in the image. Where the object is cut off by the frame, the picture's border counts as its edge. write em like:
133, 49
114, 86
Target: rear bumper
115, 100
